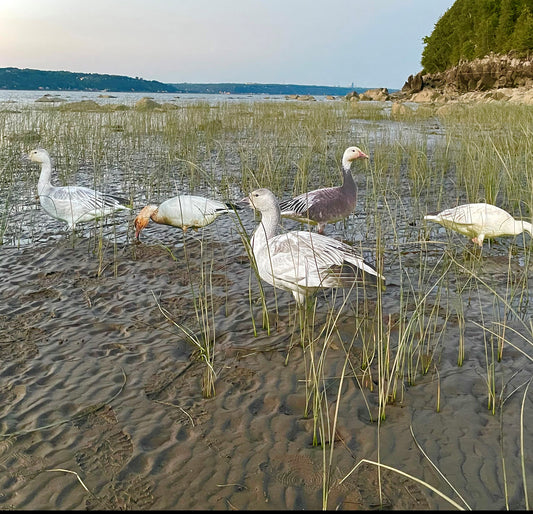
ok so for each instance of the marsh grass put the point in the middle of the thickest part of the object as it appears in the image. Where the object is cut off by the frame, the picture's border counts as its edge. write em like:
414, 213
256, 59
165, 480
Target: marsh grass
205, 317
380, 466
200, 268
318, 322
265, 315
202, 341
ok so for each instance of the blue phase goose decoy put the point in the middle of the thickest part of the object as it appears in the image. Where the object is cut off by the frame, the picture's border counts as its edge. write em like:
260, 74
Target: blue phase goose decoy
329, 204
479, 221
301, 262
183, 211
71, 204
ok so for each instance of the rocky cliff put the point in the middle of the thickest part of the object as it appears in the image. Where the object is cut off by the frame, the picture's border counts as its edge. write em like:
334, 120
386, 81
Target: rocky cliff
496, 77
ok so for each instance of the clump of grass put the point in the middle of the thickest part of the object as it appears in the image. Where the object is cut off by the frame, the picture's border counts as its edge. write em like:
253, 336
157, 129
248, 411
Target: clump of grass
200, 270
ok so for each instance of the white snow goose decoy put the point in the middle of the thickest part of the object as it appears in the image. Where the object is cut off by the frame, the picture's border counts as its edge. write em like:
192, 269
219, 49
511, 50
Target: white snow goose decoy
301, 262
479, 221
71, 204
183, 211
329, 204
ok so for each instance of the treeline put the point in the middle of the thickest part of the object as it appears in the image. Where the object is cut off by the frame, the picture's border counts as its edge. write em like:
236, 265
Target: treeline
471, 29
15, 78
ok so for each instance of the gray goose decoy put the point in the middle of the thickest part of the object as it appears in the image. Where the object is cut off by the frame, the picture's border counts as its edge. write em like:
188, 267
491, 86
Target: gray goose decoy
328, 204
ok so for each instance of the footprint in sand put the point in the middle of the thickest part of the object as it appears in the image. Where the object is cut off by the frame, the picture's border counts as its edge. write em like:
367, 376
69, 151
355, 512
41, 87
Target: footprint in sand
106, 456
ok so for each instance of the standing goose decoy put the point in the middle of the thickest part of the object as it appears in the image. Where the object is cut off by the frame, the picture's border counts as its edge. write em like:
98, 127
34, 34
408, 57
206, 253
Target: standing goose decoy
329, 204
479, 221
183, 211
302, 262
71, 204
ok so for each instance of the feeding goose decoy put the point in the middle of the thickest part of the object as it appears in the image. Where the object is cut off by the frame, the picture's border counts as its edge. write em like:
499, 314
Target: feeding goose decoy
302, 262
183, 211
479, 221
71, 204
329, 204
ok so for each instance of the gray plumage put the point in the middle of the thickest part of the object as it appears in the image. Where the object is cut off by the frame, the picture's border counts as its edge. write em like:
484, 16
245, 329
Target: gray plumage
328, 204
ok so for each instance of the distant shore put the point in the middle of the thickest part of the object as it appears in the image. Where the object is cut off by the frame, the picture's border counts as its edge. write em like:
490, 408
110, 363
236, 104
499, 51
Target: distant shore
39, 80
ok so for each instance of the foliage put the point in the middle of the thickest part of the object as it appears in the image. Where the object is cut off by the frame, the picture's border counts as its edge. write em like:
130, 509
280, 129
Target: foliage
471, 29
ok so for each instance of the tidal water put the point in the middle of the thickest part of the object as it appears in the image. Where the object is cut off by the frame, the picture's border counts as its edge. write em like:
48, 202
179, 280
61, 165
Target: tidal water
20, 97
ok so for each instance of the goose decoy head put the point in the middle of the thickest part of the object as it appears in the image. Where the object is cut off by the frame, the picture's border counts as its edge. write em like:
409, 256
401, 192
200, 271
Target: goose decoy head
260, 199
38, 155
352, 153
143, 218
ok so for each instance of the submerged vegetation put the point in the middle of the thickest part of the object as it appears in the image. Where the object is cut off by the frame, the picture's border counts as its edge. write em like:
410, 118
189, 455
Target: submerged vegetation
440, 288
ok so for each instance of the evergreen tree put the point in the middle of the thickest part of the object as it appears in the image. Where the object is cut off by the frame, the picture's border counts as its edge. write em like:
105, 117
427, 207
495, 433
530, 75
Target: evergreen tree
506, 23
522, 38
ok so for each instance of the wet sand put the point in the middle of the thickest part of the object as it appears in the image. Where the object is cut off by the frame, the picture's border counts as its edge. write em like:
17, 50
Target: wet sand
97, 381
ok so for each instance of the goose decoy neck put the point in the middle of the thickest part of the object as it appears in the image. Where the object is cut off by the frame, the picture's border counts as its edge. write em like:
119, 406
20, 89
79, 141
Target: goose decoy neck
348, 182
266, 203
270, 221
42, 157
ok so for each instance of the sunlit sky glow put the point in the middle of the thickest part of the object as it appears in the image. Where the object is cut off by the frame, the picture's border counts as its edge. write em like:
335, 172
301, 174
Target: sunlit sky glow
367, 43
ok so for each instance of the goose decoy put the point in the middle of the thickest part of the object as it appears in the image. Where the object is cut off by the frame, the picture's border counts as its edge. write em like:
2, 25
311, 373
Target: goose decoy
329, 204
71, 204
183, 211
302, 262
479, 221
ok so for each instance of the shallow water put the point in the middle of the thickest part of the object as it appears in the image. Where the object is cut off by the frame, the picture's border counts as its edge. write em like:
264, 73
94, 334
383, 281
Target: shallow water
100, 379
21, 98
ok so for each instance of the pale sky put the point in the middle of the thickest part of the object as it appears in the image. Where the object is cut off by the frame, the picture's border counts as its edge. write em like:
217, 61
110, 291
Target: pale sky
367, 43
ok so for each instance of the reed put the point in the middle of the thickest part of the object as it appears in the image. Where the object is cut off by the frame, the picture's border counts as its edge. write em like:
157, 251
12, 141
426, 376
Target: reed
203, 340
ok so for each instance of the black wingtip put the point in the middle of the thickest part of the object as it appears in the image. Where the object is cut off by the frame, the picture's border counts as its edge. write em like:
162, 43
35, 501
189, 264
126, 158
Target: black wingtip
233, 206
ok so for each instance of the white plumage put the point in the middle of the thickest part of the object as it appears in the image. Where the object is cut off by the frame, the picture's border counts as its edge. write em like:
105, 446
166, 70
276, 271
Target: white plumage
299, 261
71, 204
479, 221
328, 204
183, 211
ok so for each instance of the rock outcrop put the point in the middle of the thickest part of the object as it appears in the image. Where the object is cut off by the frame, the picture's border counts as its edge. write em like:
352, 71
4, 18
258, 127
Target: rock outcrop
376, 94
352, 96
301, 97
146, 104
494, 77
48, 98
